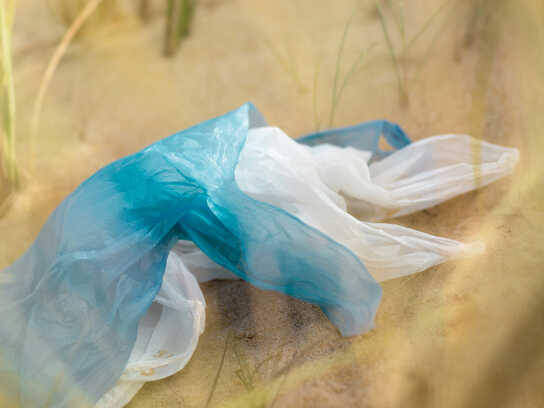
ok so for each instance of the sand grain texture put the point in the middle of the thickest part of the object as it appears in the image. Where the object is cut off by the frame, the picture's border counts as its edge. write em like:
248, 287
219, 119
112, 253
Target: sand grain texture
463, 334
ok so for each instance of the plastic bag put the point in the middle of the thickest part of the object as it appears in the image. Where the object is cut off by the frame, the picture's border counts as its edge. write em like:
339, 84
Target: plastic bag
167, 334
419, 176
307, 182
364, 136
77, 306
71, 305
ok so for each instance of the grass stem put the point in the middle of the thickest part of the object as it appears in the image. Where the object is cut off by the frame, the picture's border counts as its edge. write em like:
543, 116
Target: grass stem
144, 10
337, 72
425, 26
179, 14
317, 120
9, 147
219, 368
59, 52
396, 66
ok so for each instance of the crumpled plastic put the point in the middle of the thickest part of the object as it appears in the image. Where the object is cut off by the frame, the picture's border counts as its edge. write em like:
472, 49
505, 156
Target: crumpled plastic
90, 303
167, 334
316, 184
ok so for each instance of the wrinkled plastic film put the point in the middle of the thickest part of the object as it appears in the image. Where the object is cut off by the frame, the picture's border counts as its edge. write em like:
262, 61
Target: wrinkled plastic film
228, 197
274, 168
73, 301
167, 334
364, 136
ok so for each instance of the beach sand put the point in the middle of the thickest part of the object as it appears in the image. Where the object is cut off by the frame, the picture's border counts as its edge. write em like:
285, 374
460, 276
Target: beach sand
466, 333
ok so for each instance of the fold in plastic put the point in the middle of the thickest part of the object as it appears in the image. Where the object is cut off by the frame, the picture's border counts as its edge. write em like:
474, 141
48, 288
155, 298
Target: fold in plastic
318, 184
167, 334
71, 305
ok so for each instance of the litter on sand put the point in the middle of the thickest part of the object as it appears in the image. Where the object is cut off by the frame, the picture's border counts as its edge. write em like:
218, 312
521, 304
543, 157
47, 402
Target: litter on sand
107, 297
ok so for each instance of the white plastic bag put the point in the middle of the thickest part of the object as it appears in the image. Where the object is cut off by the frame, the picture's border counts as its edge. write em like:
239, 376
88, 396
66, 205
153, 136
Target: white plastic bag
418, 176
307, 182
318, 184
167, 334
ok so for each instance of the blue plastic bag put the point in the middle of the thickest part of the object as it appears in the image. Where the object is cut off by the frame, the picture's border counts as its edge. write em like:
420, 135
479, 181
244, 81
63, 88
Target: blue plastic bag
364, 136
71, 305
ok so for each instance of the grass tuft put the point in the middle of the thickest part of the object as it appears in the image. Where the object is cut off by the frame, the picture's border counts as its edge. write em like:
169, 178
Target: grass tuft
340, 84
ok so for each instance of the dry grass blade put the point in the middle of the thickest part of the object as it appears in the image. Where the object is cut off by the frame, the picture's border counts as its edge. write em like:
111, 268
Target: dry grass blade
317, 120
9, 151
144, 10
179, 14
426, 25
398, 18
356, 66
218, 373
288, 63
400, 81
245, 373
59, 52
338, 88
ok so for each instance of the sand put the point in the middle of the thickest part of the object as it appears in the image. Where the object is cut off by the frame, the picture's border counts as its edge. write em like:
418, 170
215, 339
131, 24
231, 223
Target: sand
465, 333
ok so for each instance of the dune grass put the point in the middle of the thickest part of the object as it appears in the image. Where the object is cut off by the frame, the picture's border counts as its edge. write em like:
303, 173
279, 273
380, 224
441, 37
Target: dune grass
425, 26
244, 373
179, 14
67, 11
317, 117
85, 9
399, 74
334, 94
398, 19
219, 368
340, 82
399, 58
59, 52
287, 61
144, 10
9, 155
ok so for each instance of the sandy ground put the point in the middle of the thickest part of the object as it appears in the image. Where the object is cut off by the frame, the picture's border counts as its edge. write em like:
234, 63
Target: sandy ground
466, 333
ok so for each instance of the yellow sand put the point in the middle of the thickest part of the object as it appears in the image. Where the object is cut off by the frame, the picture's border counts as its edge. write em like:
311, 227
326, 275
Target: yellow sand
464, 334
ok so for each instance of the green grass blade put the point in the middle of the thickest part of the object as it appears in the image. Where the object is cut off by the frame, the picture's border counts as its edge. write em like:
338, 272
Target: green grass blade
337, 72
396, 66
426, 25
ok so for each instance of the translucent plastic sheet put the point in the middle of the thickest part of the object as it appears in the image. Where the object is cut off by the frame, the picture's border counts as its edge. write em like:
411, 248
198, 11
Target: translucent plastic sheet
71, 305
421, 175
318, 184
306, 181
364, 136
167, 334
90, 305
